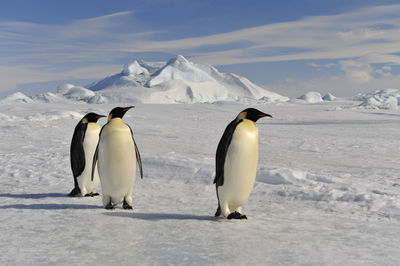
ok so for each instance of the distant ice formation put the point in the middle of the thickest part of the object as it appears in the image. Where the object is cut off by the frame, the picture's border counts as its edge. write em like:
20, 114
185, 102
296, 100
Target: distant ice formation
17, 97
311, 97
381, 99
329, 97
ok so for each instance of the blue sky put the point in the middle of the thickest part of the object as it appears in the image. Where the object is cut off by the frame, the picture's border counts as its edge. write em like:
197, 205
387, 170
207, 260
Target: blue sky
290, 47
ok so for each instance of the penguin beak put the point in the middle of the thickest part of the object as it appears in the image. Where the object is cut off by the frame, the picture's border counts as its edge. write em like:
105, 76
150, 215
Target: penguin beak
100, 116
127, 108
264, 115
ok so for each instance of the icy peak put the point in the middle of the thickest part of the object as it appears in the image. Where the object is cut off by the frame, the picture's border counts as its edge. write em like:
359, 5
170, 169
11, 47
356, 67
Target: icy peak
178, 60
178, 68
64, 88
134, 68
180, 63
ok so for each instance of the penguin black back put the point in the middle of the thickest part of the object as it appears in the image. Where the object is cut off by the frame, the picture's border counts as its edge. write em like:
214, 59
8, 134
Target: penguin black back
77, 153
221, 151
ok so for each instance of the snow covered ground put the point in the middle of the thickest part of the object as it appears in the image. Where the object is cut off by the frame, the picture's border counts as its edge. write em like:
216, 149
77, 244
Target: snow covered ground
327, 190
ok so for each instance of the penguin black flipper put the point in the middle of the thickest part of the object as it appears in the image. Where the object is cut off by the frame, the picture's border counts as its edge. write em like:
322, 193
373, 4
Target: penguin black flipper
138, 158
77, 155
95, 158
222, 149
96, 153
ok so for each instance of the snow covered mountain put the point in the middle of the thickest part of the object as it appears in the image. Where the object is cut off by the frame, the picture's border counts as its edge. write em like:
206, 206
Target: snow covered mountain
179, 81
176, 81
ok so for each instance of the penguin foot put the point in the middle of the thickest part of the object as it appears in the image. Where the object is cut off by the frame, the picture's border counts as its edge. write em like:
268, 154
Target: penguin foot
109, 206
218, 212
75, 192
126, 206
91, 194
236, 215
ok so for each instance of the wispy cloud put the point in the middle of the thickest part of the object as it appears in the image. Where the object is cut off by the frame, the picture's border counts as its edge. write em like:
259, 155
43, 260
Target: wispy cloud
85, 48
368, 32
357, 70
90, 40
373, 30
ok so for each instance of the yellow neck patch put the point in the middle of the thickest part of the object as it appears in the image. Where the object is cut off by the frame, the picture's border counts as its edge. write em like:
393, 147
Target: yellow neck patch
85, 120
242, 115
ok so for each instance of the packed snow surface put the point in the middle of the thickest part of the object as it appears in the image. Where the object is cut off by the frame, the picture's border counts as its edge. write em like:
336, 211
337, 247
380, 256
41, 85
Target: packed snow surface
326, 193
381, 99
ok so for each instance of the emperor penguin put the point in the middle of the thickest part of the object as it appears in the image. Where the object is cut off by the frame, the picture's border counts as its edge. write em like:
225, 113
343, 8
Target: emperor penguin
236, 163
83, 146
116, 156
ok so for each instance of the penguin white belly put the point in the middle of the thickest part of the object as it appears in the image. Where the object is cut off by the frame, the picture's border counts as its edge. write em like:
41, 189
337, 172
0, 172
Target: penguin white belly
117, 161
85, 182
240, 168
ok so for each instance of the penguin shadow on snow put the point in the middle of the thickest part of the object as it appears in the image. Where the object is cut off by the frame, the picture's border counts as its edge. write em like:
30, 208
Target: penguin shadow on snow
33, 196
162, 216
50, 206
43, 206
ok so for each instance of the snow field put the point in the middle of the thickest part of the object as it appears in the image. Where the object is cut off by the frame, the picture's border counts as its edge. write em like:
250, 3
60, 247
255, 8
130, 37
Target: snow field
326, 193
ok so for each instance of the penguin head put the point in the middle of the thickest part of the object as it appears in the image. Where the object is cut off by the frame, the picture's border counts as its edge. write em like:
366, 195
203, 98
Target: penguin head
118, 112
91, 118
252, 114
